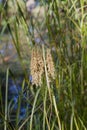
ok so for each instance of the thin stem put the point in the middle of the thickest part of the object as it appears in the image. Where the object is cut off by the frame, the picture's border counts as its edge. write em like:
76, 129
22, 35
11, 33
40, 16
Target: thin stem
6, 101
47, 79
46, 73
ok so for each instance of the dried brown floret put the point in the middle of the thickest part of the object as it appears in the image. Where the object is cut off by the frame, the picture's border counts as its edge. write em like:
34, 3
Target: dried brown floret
50, 65
36, 66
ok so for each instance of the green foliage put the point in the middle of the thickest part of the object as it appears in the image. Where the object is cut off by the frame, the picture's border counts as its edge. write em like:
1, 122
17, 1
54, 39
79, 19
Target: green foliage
63, 104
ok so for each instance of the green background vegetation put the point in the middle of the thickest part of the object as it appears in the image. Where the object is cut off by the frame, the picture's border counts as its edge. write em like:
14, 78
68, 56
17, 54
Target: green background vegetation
63, 105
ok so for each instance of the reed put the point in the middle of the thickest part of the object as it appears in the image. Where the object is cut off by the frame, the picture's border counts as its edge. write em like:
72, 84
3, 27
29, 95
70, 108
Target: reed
57, 63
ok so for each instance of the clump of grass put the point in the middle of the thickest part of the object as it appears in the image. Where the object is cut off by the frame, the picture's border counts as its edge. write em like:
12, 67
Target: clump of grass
60, 104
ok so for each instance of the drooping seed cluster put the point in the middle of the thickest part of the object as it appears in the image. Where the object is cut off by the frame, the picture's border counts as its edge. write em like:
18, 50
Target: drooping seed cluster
50, 65
37, 66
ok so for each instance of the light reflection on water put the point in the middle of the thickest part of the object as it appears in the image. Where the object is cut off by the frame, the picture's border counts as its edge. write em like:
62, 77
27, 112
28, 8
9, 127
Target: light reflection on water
8, 54
10, 46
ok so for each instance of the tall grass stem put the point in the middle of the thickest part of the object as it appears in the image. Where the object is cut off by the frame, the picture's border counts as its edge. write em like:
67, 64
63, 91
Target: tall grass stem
6, 101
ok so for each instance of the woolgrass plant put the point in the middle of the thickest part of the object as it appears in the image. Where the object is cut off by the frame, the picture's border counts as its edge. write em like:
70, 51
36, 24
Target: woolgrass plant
58, 65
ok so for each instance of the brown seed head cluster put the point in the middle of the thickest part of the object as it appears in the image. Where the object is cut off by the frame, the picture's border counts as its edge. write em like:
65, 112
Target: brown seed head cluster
37, 66
50, 65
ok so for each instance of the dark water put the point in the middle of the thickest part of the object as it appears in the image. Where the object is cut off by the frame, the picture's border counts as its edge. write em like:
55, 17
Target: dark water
18, 99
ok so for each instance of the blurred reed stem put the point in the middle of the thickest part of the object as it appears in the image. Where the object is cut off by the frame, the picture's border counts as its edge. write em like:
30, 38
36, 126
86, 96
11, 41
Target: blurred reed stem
6, 101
